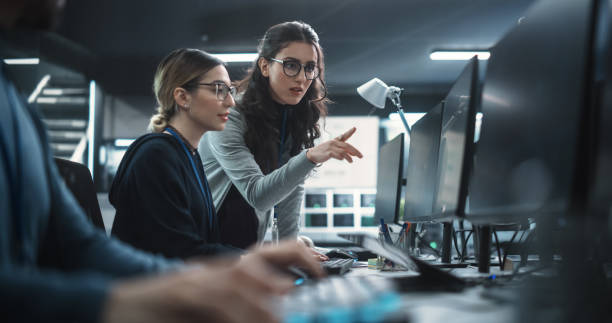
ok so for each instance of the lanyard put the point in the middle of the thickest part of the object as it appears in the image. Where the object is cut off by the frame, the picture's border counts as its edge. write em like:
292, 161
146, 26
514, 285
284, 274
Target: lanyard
206, 197
281, 145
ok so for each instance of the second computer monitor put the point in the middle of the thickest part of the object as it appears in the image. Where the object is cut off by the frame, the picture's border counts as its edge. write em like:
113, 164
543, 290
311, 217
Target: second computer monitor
422, 166
456, 144
389, 180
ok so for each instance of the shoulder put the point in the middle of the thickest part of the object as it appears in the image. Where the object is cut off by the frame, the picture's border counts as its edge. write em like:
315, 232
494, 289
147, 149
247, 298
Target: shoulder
236, 116
154, 143
155, 150
234, 128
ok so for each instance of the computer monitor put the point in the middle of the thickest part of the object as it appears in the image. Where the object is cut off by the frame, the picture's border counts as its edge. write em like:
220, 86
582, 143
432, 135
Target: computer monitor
422, 166
533, 100
389, 180
600, 201
456, 144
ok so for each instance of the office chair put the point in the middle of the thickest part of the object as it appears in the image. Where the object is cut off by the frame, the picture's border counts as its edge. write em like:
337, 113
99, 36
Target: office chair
79, 181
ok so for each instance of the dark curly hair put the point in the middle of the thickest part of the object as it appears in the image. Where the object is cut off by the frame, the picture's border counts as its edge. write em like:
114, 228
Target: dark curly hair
256, 103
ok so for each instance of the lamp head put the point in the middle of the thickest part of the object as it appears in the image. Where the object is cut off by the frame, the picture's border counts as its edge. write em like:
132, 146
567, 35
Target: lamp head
375, 92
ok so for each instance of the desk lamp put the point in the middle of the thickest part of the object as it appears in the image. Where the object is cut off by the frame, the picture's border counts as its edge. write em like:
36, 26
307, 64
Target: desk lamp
376, 92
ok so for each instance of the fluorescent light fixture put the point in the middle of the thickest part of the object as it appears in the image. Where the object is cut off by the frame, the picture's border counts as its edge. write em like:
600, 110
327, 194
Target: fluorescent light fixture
41, 84
53, 92
90, 127
455, 55
21, 61
63, 91
45, 100
236, 57
477, 125
123, 142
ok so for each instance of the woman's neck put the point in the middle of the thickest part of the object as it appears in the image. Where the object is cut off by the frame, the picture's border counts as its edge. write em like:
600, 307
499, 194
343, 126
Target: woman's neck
188, 130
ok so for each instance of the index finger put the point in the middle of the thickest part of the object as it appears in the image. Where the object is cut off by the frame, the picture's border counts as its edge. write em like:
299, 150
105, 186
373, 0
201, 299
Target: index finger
347, 134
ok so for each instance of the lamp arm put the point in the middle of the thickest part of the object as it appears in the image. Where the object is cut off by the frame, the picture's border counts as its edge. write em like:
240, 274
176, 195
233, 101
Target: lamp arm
394, 95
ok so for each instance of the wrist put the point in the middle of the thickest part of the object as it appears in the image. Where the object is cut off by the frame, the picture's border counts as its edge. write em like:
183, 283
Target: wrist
309, 156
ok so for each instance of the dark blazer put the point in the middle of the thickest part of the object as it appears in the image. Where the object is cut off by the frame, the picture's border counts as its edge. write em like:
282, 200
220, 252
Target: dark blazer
160, 207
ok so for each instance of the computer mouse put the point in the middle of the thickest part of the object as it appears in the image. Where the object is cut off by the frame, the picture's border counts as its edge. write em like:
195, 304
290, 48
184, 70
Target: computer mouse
339, 253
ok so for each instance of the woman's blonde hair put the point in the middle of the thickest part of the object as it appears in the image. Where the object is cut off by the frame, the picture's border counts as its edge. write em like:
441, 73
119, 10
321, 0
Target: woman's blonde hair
182, 68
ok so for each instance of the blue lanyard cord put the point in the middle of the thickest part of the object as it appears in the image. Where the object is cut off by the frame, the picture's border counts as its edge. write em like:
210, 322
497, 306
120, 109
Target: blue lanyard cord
15, 177
207, 198
281, 145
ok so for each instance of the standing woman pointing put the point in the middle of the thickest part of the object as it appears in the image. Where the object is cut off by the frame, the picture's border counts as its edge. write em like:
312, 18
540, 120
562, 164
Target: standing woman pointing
260, 161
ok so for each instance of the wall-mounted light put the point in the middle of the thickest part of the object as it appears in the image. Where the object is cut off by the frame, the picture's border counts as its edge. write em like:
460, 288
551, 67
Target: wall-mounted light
236, 57
21, 61
123, 142
457, 55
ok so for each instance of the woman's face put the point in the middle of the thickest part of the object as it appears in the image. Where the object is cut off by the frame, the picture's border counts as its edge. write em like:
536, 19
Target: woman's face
289, 89
205, 107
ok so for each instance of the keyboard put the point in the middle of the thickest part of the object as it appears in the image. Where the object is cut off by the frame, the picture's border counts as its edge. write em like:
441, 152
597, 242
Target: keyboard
341, 299
337, 266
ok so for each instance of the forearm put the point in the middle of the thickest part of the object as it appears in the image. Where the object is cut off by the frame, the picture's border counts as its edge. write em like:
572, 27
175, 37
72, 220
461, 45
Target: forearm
27, 296
266, 191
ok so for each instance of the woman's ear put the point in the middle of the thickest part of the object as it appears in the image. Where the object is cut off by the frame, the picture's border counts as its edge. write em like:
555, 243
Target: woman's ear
264, 66
181, 97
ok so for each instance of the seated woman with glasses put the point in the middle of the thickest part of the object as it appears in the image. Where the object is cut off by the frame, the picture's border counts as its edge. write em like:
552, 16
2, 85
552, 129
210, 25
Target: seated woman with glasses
161, 194
258, 164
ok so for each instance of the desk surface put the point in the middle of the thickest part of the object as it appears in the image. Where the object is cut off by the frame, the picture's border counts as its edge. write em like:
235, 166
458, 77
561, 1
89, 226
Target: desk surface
466, 306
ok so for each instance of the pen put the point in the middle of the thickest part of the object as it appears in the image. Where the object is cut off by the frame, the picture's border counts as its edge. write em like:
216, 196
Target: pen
383, 228
400, 237
404, 227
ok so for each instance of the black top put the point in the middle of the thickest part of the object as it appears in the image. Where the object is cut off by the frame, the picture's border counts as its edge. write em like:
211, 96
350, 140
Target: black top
159, 205
238, 222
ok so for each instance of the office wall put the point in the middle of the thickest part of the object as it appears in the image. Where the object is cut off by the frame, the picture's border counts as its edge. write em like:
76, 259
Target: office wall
127, 116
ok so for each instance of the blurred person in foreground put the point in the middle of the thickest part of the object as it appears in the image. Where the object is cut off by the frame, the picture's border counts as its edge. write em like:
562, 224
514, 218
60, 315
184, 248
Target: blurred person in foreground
55, 266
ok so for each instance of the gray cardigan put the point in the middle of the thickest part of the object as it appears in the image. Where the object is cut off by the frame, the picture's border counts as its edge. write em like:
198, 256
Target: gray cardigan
227, 160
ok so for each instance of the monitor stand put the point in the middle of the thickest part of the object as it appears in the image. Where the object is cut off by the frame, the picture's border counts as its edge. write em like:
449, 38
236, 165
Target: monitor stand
447, 242
484, 246
447, 245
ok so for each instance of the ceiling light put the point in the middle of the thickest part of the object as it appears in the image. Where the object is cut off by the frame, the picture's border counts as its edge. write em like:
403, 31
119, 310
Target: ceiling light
21, 61
445, 55
236, 57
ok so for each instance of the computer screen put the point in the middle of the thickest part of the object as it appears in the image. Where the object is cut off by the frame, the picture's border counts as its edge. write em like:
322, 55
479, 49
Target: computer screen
456, 144
532, 102
422, 166
389, 180
600, 201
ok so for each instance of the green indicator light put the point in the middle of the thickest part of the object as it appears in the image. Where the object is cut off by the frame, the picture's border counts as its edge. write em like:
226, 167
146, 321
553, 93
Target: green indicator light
433, 245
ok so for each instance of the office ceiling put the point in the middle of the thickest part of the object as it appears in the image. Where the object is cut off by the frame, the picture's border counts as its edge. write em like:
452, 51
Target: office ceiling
361, 38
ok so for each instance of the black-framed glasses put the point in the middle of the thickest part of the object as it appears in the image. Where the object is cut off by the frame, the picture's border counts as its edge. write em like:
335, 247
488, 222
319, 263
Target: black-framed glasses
221, 90
292, 67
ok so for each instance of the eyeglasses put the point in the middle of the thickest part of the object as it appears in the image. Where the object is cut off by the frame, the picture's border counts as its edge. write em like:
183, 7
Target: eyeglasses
292, 67
221, 90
